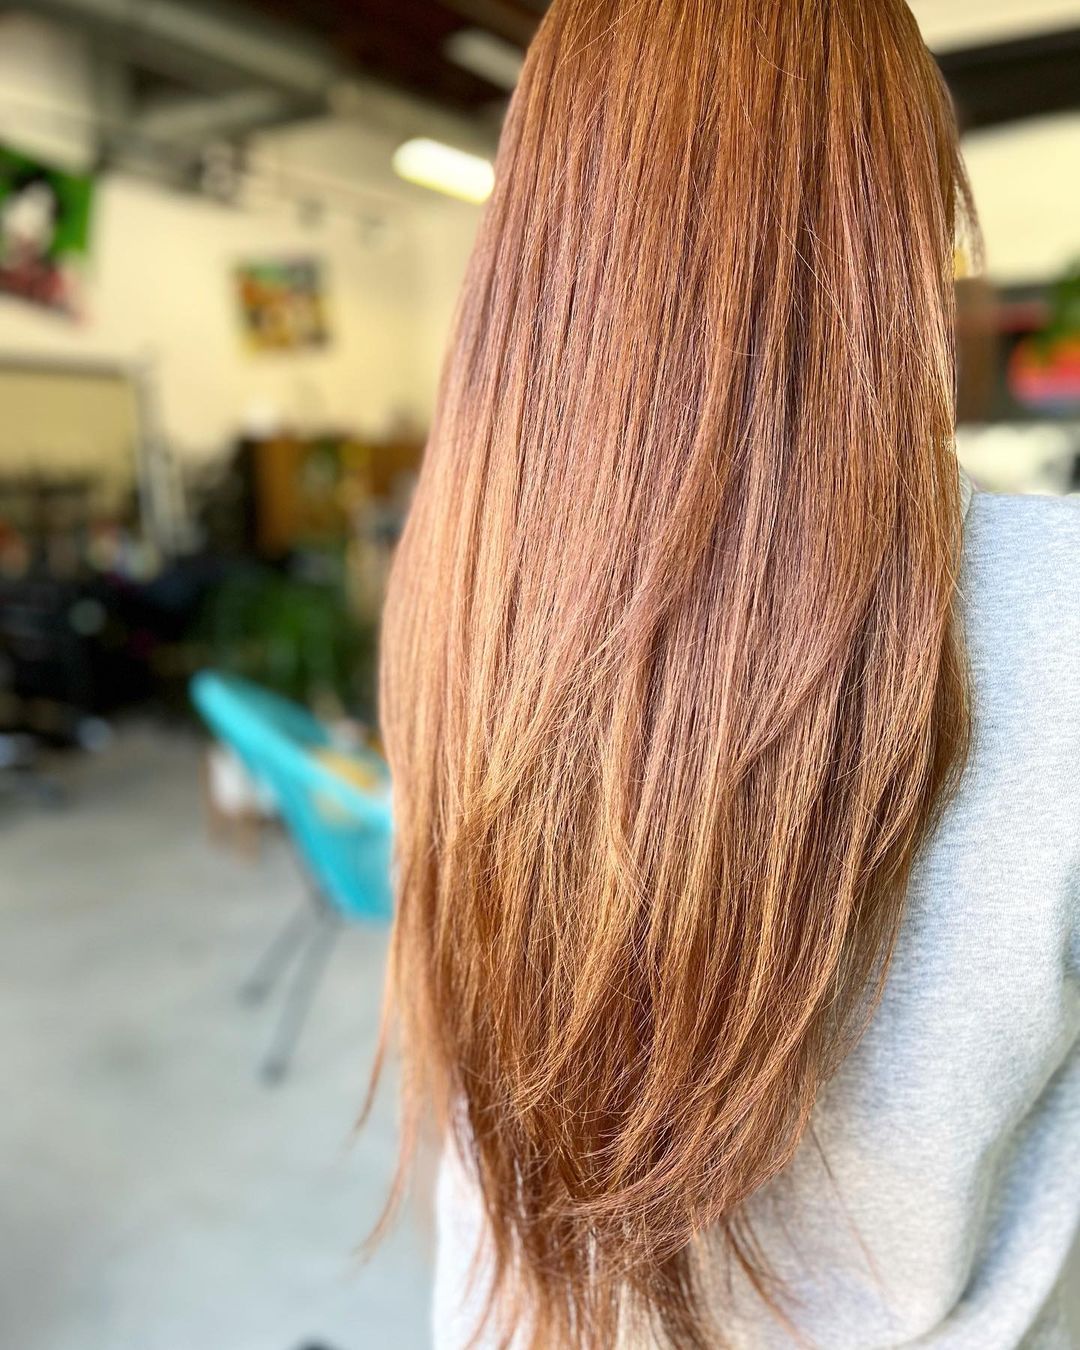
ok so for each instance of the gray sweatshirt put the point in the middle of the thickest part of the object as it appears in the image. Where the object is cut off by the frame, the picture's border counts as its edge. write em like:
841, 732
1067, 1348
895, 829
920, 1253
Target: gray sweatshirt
935, 1202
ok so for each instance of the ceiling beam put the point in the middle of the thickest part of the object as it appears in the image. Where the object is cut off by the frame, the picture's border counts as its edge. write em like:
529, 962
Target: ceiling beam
224, 40
200, 119
1012, 81
508, 20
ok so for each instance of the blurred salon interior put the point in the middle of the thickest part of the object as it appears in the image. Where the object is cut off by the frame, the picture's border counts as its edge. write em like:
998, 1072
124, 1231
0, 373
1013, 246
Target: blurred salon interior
231, 241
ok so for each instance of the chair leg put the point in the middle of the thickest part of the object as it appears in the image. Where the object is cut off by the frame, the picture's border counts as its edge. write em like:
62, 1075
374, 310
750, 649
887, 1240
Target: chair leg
275, 960
299, 997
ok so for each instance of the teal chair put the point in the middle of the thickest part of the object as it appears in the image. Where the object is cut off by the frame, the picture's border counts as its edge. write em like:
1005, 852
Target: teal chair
342, 833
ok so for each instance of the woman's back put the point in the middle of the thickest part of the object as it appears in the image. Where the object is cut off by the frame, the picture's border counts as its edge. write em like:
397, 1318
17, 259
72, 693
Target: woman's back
936, 1196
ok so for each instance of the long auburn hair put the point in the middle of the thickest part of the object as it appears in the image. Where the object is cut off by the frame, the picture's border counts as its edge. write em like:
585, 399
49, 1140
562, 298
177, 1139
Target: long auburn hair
672, 686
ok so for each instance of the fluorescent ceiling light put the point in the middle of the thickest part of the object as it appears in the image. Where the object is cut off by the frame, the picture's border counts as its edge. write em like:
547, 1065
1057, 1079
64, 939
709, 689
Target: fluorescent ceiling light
485, 55
443, 168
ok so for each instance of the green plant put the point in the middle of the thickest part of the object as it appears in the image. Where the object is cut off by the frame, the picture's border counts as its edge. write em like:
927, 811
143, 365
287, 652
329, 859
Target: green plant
295, 636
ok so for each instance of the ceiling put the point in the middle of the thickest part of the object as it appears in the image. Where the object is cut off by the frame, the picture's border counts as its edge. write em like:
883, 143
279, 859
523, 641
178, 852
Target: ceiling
185, 74
405, 41
1006, 59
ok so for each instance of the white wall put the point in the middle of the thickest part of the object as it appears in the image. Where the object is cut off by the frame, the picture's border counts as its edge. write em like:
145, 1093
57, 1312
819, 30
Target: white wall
948, 24
438, 231
160, 292
1026, 181
160, 288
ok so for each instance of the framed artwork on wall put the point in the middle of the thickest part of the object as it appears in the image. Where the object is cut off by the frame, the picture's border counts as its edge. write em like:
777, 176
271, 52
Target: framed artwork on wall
282, 304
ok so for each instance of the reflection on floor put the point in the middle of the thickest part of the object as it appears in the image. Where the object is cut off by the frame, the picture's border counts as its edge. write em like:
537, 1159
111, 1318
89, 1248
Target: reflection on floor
156, 1195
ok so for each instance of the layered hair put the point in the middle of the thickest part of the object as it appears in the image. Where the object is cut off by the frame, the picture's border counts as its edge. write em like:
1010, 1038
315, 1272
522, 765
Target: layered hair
672, 686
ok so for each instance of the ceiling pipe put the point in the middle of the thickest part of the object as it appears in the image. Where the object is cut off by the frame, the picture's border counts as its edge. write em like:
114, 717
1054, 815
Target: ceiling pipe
200, 119
500, 16
227, 41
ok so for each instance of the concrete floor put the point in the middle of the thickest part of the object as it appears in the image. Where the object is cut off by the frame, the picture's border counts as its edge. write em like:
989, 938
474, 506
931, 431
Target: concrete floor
155, 1194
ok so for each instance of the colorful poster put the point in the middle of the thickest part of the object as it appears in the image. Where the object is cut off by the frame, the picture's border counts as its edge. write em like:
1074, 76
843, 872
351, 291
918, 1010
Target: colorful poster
44, 231
282, 304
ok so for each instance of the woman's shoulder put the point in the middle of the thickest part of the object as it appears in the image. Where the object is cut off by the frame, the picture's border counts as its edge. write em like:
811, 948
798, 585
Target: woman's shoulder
1020, 595
1029, 513
1024, 546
